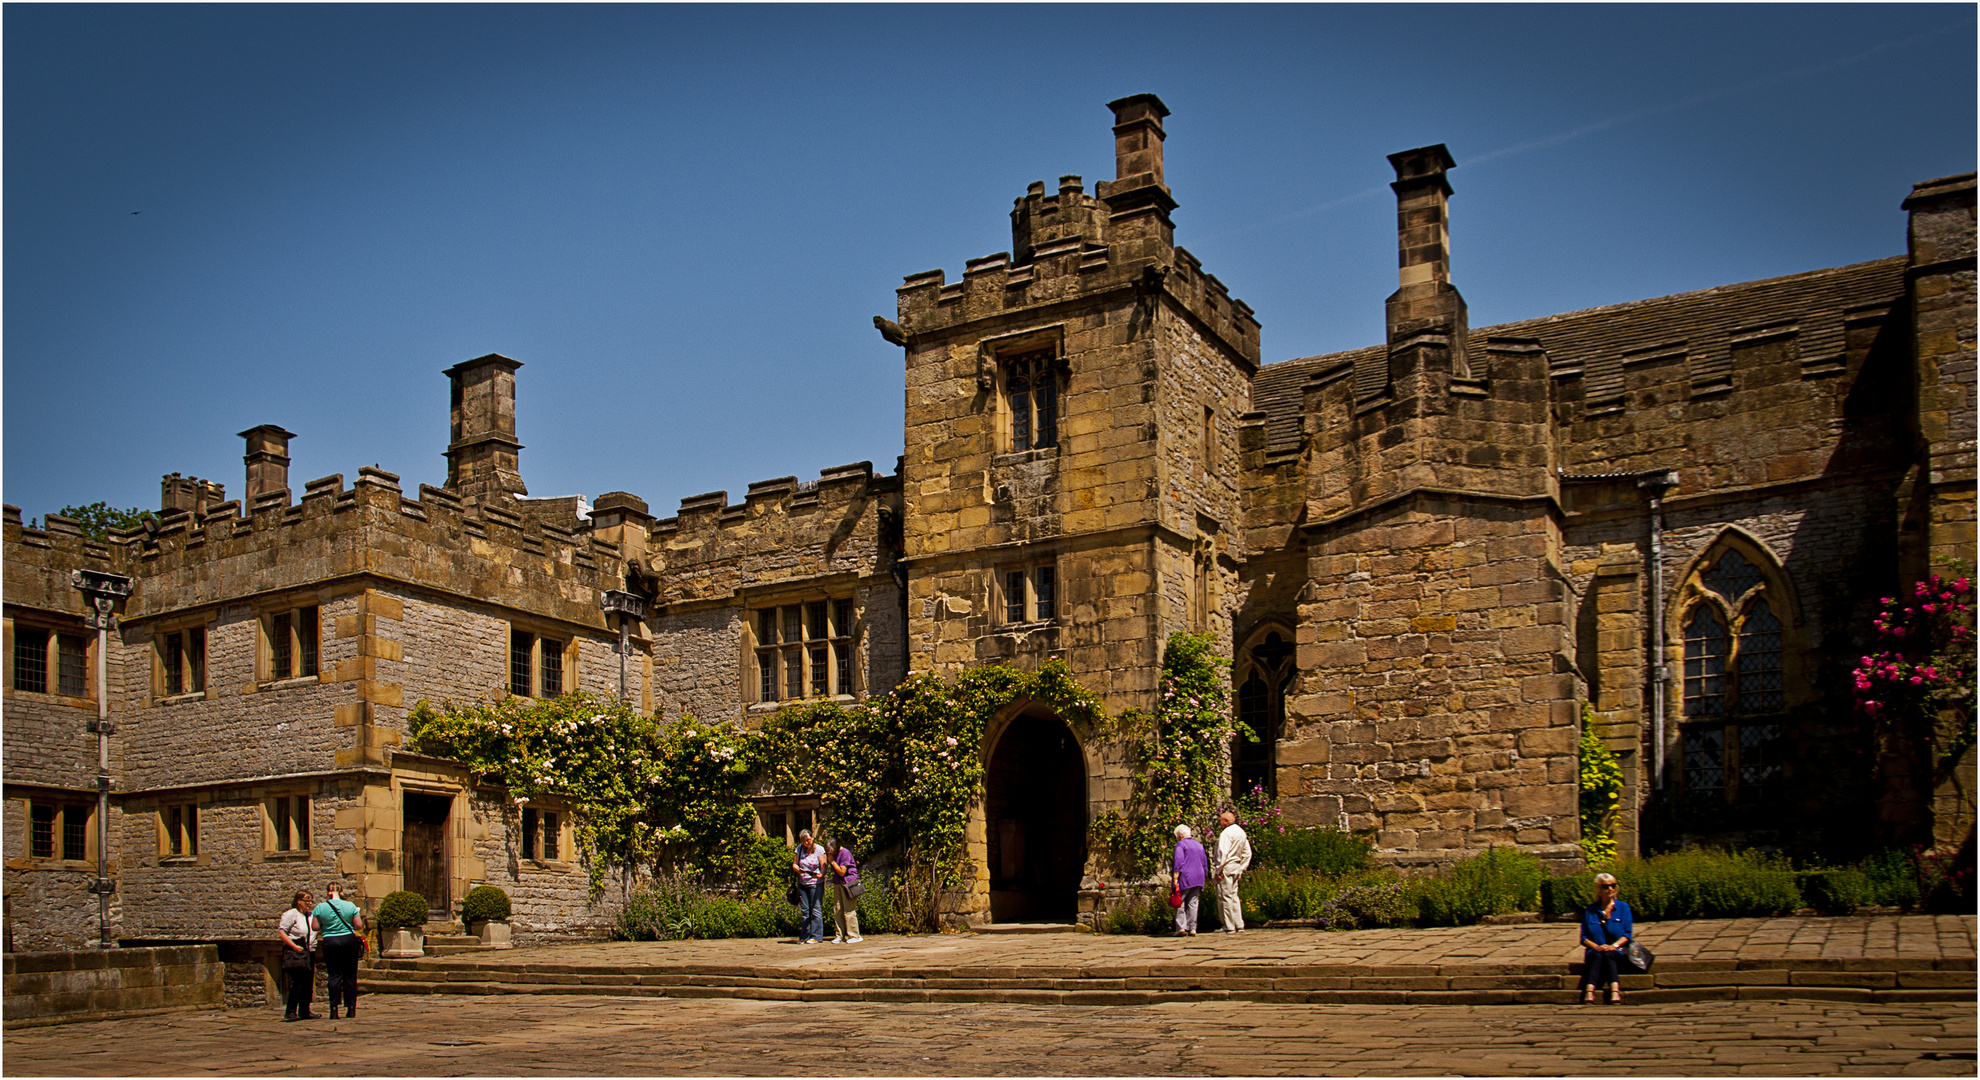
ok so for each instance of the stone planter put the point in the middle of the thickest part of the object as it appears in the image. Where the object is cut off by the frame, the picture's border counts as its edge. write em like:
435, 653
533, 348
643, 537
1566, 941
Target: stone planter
494, 933
404, 944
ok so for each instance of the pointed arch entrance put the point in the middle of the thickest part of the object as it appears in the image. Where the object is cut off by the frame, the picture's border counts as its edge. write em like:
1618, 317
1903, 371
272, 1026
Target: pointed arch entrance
1034, 803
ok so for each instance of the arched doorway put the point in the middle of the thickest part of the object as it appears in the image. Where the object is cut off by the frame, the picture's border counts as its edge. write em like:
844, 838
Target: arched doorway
1264, 676
1035, 808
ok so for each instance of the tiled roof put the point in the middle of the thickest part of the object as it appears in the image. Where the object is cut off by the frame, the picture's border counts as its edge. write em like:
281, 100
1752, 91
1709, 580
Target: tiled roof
1598, 341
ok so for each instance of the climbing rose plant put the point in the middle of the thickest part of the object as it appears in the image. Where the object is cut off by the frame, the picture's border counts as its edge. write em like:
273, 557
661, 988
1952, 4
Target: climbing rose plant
1182, 757
1918, 687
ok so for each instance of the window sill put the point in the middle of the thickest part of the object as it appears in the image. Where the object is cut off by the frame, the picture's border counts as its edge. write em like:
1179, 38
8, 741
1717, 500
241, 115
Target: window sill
182, 860
180, 699
764, 708
1024, 457
1024, 627
289, 856
284, 684
551, 865
53, 699
36, 862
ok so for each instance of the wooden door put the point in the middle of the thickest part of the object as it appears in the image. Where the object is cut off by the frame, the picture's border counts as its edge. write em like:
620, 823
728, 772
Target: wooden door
425, 849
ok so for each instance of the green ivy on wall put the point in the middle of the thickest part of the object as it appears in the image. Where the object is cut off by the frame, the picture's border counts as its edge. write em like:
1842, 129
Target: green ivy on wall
1601, 793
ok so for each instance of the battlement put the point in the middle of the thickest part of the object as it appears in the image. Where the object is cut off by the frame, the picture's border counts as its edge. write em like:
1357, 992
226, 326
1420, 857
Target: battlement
778, 495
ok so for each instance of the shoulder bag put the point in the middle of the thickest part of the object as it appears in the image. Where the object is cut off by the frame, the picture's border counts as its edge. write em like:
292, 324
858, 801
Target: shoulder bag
1637, 958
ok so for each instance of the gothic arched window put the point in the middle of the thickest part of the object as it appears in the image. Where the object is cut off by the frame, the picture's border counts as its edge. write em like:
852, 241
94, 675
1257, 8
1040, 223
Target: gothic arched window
1264, 677
1732, 733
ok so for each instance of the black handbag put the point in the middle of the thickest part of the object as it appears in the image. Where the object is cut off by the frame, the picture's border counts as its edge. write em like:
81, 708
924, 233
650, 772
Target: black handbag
856, 890
1638, 959
792, 896
294, 959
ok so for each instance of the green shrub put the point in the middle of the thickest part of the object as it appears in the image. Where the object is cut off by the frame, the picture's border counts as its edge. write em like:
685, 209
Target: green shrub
1144, 915
1893, 877
674, 909
1836, 892
1329, 851
484, 902
879, 907
401, 910
1498, 881
765, 867
1707, 885
1567, 895
1365, 907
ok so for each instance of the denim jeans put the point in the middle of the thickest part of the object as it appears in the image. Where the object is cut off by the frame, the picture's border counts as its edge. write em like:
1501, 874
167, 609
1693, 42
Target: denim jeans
811, 908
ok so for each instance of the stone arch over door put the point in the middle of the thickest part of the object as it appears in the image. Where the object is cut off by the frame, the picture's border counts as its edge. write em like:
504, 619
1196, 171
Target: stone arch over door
1261, 679
1036, 806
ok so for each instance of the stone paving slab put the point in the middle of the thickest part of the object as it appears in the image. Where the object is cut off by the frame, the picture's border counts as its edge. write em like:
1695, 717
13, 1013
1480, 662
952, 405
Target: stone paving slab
613, 1036
1890, 943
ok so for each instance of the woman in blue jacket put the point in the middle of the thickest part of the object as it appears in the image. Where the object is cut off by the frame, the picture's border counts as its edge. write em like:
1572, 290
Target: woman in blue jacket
1606, 926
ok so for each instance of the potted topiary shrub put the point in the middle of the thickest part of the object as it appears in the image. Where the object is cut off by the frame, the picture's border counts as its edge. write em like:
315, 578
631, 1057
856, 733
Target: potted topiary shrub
486, 913
402, 925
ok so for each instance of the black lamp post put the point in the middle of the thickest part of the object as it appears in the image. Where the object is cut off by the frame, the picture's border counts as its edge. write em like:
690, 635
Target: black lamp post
629, 607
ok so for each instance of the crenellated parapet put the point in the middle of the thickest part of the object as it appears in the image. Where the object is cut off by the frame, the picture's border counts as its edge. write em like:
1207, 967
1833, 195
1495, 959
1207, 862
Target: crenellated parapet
843, 525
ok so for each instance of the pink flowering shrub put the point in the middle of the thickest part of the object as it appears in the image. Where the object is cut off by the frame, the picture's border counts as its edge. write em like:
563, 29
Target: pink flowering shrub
1919, 685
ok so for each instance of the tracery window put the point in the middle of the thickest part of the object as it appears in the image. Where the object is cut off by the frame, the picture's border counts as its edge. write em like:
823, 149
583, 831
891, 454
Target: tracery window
1265, 678
1733, 737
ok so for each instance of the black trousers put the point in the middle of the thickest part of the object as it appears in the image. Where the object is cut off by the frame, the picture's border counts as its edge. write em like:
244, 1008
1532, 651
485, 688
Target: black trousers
1599, 968
302, 988
340, 955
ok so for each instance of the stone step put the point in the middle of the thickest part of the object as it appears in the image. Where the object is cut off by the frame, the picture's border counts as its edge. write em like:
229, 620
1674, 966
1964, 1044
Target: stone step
1031, 928
452, 949
451, 939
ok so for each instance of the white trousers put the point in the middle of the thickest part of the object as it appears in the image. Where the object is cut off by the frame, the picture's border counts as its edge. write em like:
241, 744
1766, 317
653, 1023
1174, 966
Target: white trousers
1230, 910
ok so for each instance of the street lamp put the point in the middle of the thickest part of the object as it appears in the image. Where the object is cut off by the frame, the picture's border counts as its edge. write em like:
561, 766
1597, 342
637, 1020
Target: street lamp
102, 591
629, 607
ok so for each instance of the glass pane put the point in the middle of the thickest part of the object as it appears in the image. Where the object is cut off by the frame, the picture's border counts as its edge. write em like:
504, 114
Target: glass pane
175, 829
842, 681
41, 833
1014, 596
766, 626
1020, 416
842, 619
301, 819
766, 675
1705, 762
75, 832
196, 657
306, 621
1760, 756
815, 615
1048, 412
30, 660
1704, 663
73, 665
793, 623
281, 823
192, 830
1759, 660
519, 663
553, 668
1045, 590
280, 657
1731, 576
819, 672
529, 834
175, 661
793, 673
550, 836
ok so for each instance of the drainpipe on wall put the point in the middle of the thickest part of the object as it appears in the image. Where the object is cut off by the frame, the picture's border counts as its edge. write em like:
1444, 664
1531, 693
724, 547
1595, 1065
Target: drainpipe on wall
102, 591
1659, 672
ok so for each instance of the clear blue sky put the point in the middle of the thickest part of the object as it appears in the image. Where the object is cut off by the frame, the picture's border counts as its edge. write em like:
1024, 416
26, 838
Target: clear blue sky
682, 219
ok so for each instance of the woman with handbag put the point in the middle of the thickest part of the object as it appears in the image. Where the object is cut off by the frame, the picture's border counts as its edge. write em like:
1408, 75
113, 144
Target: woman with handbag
1606, 927
342, 927
298, 957
846, 891
809, 865
1189, 872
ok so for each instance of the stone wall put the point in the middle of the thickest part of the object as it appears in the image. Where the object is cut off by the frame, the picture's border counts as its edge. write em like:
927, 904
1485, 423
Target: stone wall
55, 987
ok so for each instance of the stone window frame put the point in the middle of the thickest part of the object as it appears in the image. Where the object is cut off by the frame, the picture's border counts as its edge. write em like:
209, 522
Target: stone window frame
195, 677
288, 621
64, 811
1278, 679
178, 832
543, 834
1037, 577
288, 808
793, 812
1040, 352
51, 634
1733, 731
566, 658
844, 618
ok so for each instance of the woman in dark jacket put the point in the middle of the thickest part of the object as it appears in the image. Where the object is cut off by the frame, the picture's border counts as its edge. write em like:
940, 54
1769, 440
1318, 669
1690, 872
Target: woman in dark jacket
1606, 927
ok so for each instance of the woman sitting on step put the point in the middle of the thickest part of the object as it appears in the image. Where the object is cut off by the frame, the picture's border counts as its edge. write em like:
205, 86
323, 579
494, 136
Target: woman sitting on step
1606, 926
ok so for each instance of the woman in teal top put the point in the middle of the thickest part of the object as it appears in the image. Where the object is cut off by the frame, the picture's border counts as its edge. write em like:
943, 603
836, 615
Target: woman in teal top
340, 924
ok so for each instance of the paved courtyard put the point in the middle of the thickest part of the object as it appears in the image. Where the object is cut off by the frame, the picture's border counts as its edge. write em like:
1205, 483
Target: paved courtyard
603, 1036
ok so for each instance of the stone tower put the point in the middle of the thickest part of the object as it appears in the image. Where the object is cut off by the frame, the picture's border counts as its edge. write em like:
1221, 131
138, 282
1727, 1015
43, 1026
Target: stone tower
1070, 483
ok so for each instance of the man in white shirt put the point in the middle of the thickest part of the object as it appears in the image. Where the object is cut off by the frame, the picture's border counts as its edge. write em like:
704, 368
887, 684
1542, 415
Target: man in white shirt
1233, 859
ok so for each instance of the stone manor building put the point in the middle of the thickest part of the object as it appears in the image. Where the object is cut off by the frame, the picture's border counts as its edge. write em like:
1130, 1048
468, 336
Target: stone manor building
1426, 558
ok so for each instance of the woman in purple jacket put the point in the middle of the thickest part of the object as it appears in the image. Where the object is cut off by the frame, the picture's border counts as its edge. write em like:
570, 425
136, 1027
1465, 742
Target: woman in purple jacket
1191, 868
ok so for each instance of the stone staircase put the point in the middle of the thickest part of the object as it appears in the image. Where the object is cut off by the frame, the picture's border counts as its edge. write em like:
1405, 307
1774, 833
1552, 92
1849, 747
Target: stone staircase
1862, 980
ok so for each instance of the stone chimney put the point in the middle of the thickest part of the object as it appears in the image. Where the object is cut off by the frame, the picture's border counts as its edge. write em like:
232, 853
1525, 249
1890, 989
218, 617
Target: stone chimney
482, 454
189, 494
1425, 301
267, 461
1138, 139
623, 520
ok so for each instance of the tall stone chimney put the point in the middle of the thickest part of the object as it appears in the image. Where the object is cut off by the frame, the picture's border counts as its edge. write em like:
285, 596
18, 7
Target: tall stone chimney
1425, 300
482, 453
1138, 136
267, 461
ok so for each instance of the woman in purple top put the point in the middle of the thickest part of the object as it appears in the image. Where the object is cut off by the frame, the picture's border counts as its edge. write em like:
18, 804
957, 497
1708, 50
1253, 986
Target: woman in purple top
810, 867
1191, 869
845, 874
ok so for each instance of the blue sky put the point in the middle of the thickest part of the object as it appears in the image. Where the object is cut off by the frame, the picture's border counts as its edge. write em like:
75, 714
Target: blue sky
682, 219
